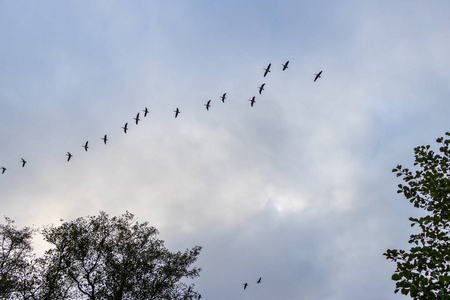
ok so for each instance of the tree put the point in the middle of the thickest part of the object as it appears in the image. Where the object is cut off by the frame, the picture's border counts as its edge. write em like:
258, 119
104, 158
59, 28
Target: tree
98, 257
423, 272
16, 261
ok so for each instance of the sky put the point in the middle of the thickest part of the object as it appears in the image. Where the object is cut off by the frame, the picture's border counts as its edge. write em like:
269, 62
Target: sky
297, 189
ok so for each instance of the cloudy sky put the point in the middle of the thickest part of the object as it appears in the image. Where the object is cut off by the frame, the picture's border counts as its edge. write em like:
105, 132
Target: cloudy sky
297, 190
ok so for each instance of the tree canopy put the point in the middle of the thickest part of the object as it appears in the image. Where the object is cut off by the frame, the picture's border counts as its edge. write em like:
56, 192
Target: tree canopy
98, 257
15, 257
423, 272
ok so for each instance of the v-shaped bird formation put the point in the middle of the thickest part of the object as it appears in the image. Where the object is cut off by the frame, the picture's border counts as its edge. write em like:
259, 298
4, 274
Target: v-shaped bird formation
177, 113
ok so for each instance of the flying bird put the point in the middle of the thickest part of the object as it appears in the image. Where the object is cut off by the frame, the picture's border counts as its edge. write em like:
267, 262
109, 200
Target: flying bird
245, 285
176, 112
223, 97
267, 70
137, 119
285, 66
3, 169
252, 101
318, 76
125, 128
145, 112
259, 280
86, 146
69, 156
261, 88
105, 138
208, 104
23, 162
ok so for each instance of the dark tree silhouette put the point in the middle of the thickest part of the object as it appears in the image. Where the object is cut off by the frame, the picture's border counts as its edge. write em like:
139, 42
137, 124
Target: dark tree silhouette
96, 257
16, 259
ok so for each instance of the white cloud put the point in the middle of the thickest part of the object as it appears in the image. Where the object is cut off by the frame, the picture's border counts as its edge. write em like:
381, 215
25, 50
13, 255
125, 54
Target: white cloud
297, 189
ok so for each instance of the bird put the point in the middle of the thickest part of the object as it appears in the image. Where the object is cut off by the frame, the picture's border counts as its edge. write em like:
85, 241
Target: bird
317, 76
125, 128
261, 88
105, 138
86, 146
245, 285
208, 104
285, 66
199, 296
3, 169
145, 112
69, 156
259, 280
137, 119
23, 162
252, 101
267, 70
223, 97
176, 112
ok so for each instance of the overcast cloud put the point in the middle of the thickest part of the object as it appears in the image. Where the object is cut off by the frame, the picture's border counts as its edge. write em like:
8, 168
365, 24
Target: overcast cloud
297, 190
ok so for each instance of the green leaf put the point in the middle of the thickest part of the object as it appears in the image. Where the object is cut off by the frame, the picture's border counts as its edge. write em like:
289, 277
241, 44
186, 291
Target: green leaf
396, 277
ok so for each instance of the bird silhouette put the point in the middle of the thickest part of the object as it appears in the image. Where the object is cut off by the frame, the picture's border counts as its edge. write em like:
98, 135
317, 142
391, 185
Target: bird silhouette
267, 70
86, 146
125, 128
252, 101
23, 162
145, 112
69, 156
261, 88
176, 112
285, 66
223, 97
137, 119
208, 104
259, 280
105, 138
318, 76
3, 169
245, 285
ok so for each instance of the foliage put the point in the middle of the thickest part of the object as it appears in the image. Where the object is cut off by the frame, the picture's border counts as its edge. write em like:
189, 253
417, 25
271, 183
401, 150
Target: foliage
423, 272
98, 257
16, 261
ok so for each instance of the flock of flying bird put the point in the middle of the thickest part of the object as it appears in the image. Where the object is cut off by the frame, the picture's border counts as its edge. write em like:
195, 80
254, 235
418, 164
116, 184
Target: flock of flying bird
246, 284
245, 287
177, 112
